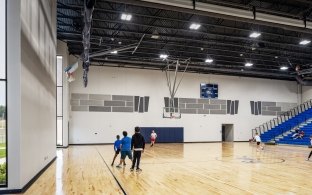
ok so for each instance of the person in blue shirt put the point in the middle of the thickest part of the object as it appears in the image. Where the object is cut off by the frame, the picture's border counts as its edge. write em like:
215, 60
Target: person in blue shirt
117, 145
125, 149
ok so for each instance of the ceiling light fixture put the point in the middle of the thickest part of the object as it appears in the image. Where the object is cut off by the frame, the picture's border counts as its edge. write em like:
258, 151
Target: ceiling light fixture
194, 26
209, 60
254, 34
163, 56
114, 52
284, 68
155, 36
304, 42
248, 64
126, 17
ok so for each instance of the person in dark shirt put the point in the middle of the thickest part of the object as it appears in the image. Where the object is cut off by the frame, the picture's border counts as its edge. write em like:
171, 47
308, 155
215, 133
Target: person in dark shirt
125, 149
137, 145
117, 145
296, 134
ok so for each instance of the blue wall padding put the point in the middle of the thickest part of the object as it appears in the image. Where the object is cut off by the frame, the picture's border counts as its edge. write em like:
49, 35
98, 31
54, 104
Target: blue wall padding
164, 134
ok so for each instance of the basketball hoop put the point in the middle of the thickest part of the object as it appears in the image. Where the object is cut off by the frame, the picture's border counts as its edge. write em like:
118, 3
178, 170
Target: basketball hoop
171, 113
172, 110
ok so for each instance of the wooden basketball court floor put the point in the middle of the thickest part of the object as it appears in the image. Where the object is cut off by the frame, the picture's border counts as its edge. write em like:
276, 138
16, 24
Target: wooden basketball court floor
197, 168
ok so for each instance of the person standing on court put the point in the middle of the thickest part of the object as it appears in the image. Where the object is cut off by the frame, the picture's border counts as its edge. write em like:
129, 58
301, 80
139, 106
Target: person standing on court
137, 145
125, 149
258, 140
153, 138
116, 148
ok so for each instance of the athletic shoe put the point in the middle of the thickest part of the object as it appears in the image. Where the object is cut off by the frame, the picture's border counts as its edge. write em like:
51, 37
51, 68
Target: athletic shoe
118, 166
131, 169
307, 159
138, 169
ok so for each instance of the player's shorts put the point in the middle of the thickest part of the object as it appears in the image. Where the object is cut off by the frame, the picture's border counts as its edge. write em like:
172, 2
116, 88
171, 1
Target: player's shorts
153, 139
117, 151
126, 153
258, 143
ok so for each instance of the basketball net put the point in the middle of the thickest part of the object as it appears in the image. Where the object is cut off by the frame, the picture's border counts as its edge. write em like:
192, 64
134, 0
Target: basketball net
70, 76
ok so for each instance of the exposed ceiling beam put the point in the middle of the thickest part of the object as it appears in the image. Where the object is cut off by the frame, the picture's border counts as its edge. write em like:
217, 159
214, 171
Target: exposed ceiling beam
279, 51
197, 47
272, 42
215, 15
203, 23
205, 68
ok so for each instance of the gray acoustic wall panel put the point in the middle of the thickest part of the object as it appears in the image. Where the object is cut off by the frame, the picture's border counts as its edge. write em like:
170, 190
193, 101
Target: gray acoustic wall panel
123, 98
129, 104
122, 109
274, 109
270, 108
136, 103
201, 106
205, 106
176, 102
182, 105
79, 96
214, 107
228, 106
146, 103
214, 101
252, 106
268, 113
188, 111
80, 108
232, 107
259, 107
100, 109
203, 101
100, 97
286, 106
256, 108
74, 102
187, 100
166, 99
236, 107
108, 103
114, 103
141, 103
91, 102
268, 103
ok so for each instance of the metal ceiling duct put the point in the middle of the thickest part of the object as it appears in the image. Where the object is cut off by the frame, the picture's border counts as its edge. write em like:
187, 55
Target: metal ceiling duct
309, 25
229, 11
224, 10
177, 3
279, 20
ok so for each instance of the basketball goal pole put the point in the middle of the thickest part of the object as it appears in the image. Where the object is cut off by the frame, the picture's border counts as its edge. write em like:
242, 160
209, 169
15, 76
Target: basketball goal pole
173, 87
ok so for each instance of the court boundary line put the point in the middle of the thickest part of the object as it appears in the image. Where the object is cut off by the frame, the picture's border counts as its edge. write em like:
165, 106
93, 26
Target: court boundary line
118, 183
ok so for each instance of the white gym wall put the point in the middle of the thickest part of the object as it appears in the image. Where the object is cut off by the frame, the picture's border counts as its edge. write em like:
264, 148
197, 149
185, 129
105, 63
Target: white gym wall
31, 49
102, 127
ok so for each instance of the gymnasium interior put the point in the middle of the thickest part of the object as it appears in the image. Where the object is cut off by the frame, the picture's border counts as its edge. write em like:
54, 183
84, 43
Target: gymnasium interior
208, 76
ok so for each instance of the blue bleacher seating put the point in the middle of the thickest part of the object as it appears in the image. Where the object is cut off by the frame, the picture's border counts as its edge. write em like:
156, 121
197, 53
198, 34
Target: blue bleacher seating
287, 126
